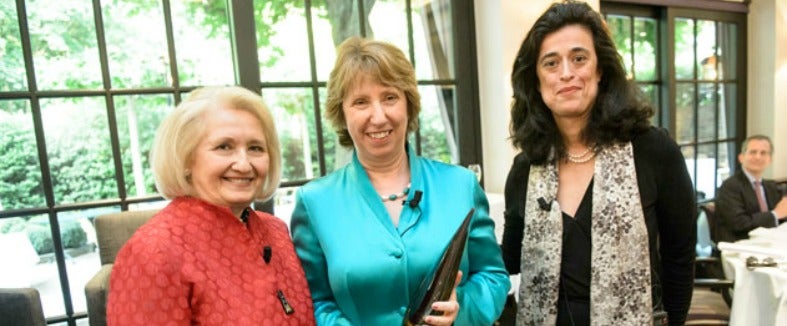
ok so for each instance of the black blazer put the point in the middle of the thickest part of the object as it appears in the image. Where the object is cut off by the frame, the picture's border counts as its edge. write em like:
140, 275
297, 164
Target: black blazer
737, 209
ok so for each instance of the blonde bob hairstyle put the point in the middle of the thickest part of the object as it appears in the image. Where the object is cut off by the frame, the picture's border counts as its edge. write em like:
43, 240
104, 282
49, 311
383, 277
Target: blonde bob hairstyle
184, 128
358, 57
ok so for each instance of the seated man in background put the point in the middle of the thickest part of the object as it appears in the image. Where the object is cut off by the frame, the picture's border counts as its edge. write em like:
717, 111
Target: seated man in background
745, 200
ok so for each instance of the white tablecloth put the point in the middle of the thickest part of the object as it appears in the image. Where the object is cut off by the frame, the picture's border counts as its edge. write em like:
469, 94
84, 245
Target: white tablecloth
760, 294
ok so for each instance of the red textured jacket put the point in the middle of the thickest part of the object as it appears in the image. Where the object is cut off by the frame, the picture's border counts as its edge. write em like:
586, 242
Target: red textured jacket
196, 263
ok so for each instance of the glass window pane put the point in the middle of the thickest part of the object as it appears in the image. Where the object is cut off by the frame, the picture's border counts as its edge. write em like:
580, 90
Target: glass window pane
688, 156
79, 322
684, 48
324, 44
159, 204
80, 155
337, 21
433, 39
684, 115
136, 43
293, 112
727, 158
202, 42
138, 118
650, 93
284, 203
336, 156
22, 260
706, 112
387, 21
435, 123
78, 238
727, 107
704, 181
20, 172
12, 65
32, 261
645, 48
282, 41
620, 27
706, 50
63, 38
728, 50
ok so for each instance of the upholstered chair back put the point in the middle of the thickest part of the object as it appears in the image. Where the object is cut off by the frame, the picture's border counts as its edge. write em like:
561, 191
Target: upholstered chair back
21, 307
112, 232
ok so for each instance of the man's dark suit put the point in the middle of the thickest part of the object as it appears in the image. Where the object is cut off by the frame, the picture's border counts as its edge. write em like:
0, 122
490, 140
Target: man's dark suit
737, 209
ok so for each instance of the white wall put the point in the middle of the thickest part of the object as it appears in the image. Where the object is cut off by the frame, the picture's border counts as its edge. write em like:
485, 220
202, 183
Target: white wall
767, 69
501, 25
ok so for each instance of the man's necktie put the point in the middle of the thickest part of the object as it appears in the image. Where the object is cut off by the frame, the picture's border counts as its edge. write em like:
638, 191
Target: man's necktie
760, 196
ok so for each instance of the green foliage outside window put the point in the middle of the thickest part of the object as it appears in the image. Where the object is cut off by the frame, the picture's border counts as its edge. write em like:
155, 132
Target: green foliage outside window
79, 156
20, 176
38, 231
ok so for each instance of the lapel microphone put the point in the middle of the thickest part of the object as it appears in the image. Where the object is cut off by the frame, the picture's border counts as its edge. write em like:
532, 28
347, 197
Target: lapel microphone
416, 199
245, 216
544, 205
266, 254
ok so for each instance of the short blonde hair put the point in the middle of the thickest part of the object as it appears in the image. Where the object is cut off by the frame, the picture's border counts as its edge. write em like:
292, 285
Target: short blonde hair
182, 130
382, 61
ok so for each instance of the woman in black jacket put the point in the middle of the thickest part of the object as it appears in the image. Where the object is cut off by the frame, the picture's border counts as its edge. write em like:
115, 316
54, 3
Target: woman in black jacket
600, 211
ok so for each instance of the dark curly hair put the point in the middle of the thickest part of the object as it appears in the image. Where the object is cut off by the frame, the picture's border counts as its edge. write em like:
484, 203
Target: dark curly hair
619, 111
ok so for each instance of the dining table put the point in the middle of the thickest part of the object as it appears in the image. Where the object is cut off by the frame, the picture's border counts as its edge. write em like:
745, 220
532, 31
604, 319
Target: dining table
758, 267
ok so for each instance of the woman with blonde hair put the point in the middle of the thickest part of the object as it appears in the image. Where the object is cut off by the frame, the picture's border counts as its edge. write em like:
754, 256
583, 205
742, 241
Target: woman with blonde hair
207, 257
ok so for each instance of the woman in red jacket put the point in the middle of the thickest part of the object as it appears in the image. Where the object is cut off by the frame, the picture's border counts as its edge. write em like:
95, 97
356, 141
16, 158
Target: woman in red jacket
207, 258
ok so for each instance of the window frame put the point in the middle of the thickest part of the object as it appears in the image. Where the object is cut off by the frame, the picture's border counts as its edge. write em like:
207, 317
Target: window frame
666, 11
740, 103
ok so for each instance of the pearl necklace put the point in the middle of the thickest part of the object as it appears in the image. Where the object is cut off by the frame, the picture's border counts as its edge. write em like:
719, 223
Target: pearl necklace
583, 157
393, 197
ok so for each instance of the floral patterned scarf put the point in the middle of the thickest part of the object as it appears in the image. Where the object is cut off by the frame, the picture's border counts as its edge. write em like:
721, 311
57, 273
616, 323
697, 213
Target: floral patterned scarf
620, 292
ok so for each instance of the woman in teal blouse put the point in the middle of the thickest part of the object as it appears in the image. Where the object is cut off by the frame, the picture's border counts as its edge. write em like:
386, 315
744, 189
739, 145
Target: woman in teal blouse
369, 233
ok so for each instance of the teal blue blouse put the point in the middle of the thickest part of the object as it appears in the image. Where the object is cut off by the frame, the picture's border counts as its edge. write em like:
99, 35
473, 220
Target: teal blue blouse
363, 271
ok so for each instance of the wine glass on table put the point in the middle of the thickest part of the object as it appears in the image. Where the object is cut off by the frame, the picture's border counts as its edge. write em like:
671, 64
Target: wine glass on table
476, 168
